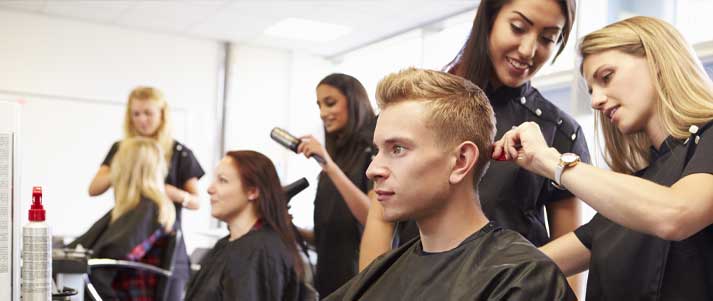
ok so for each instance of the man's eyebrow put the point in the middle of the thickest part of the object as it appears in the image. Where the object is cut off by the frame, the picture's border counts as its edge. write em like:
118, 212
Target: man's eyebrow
396, 140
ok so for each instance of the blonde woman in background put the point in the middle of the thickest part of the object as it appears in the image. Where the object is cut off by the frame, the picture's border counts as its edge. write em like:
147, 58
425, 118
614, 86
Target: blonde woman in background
137, 173
147, 115
138, 227
652, 238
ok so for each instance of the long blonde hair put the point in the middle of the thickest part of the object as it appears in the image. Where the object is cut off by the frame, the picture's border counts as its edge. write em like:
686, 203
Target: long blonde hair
684, 91
163, 133
137, 170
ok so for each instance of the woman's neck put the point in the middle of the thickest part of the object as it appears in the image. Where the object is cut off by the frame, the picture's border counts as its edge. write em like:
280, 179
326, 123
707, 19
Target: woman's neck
494, 84
241, 224
656, 133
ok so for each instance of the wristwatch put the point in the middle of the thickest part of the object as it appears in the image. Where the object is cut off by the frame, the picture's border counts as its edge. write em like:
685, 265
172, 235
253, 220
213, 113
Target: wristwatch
566, 160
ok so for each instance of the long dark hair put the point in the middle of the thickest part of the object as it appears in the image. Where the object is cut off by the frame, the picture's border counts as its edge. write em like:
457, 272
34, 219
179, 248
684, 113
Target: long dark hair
257, 171
473, 61
344, 146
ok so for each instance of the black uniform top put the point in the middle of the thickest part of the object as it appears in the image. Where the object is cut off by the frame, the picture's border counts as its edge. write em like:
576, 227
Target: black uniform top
256, 266
491, 264
629, 265
512, 196
119, 240
337, 232
183, 167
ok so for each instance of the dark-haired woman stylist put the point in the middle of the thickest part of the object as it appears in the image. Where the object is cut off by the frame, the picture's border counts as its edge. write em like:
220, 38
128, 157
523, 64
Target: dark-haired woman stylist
342, 201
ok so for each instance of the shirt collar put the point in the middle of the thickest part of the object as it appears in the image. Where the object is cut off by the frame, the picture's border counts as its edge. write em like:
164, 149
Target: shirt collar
666, 146
258, 225
507, 93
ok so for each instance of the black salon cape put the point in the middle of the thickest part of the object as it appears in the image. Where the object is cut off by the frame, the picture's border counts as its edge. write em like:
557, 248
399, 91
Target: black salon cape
491, 264
628, 265
512, 196
337, 232
116, 240
257, 266
182, 168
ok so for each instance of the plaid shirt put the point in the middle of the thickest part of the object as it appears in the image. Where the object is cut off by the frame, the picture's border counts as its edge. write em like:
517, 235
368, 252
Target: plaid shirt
141, 285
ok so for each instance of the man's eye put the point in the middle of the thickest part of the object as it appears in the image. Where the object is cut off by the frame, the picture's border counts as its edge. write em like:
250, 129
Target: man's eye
398, 149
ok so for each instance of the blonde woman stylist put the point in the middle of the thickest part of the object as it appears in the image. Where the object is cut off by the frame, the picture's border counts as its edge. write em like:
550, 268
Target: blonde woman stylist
147, 115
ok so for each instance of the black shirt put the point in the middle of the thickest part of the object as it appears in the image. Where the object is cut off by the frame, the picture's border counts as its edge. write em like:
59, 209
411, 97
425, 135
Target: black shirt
629, 265
337, 231
512, 196
256, 266
183, 167
491, 264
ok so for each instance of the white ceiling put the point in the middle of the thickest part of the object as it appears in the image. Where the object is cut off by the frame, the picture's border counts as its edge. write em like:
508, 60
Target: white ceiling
243, 21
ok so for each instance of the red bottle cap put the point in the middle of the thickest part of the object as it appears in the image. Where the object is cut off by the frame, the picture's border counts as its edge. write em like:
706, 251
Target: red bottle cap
37, 212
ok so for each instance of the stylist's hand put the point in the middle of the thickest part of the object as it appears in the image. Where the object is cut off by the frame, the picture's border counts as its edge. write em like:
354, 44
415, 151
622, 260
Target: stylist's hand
311, 146
526, 146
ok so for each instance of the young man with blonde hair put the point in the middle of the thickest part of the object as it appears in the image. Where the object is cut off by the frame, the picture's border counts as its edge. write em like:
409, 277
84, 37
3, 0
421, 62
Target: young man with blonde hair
434, 137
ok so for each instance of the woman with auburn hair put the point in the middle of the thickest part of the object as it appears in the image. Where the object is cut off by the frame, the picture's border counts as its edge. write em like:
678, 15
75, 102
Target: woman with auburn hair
651, 238
258, 260
147, 115
138, 226
342, 202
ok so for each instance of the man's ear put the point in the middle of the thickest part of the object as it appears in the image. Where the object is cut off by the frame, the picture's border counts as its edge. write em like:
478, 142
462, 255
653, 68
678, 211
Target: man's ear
466, 157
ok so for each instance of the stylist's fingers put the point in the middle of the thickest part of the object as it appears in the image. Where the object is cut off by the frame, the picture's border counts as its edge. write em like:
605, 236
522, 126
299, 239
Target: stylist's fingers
531, 138
510, 140
305, 142
304, 147
306, 152
312, 147
310, 140
301, 146
498, 151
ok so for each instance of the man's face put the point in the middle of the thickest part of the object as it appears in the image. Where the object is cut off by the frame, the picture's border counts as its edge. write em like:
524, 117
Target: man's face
411, 171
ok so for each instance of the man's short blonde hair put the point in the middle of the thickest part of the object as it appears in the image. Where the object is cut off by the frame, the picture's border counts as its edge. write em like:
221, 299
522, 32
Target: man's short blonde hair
459, 110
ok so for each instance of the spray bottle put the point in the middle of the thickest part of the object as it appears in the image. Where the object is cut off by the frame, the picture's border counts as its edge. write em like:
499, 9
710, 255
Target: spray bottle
36, 253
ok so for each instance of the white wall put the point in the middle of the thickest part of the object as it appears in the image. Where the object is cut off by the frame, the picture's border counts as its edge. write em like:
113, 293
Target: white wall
269, 88
72, 78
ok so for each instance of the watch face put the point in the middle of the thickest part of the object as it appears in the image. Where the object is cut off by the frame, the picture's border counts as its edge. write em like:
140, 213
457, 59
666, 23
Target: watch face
569, 158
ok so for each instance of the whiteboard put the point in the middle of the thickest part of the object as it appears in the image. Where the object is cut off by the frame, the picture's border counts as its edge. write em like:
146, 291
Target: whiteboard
10, 221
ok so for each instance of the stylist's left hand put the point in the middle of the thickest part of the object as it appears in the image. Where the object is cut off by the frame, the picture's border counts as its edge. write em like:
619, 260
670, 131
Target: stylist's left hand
310, 146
